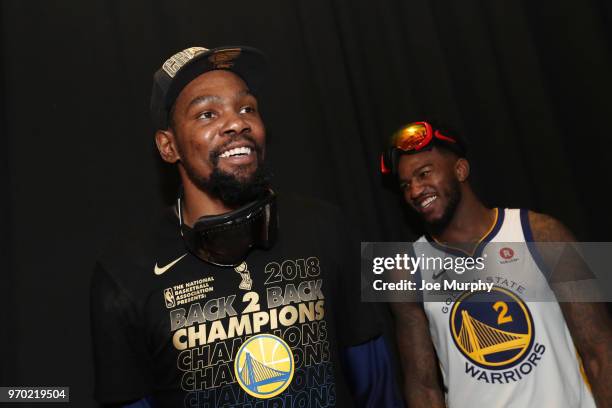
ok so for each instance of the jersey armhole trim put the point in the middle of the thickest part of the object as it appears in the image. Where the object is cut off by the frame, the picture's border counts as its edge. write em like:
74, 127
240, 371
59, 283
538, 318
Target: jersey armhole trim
531, 244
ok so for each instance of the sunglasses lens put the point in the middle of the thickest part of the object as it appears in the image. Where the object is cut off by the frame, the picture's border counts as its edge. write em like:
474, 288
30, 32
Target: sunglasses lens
411, 137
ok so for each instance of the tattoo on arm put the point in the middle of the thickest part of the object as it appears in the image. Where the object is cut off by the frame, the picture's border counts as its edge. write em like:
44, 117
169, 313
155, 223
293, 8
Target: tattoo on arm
589, 323
421, 386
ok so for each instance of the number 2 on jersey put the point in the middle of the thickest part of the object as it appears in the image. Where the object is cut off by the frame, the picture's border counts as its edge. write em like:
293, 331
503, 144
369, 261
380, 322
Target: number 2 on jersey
502, 309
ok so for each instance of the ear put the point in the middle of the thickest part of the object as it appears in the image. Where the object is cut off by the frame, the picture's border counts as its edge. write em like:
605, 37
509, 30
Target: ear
462, 169
166, 144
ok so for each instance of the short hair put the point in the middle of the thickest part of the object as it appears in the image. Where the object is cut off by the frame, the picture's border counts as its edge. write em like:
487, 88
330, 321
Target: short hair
171, 111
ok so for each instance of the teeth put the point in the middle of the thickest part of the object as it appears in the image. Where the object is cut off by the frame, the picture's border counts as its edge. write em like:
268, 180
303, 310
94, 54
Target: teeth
428, 201
236, 151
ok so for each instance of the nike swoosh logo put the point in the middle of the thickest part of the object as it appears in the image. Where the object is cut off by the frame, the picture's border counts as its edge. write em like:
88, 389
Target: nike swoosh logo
159, 271
436, 276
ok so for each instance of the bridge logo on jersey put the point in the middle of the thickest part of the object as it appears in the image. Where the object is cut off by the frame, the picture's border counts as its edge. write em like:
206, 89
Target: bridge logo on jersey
493, 330
264, 366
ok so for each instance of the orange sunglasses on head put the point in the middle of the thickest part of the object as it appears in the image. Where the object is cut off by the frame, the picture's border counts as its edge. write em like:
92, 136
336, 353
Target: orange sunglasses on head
411, 138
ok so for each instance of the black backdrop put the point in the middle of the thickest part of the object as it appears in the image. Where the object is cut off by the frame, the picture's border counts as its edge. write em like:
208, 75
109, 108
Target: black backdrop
526, 81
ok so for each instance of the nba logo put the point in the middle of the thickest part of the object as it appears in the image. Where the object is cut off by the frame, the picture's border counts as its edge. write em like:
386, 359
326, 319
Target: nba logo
169, 298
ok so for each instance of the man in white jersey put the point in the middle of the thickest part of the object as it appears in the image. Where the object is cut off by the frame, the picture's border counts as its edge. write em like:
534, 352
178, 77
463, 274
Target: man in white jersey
494, 348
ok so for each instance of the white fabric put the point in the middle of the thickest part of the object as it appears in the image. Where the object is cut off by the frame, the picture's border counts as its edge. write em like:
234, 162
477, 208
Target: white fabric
548, 373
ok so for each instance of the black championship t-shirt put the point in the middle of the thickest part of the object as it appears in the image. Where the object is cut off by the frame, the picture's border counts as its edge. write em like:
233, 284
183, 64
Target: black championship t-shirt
264, 334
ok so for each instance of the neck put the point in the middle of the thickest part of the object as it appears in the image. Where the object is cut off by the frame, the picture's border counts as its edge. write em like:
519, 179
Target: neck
470, 222
197, 203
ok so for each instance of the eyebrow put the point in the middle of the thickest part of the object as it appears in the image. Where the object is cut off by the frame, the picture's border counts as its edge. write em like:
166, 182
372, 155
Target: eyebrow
421, 168
403, 180
203, 99
214, 98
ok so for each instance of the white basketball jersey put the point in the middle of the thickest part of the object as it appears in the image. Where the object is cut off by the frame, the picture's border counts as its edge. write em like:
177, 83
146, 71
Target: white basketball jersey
496, 349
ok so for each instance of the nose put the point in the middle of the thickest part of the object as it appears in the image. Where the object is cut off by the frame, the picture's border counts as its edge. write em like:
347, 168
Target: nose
416, 189
235, 124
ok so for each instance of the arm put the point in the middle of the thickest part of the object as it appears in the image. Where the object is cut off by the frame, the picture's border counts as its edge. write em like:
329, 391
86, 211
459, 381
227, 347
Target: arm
421, 386
370, 375
141, 403
121, 363
589, 323
362, 348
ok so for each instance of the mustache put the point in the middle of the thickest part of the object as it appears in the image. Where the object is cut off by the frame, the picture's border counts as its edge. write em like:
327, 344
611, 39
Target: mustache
423, 194
215, 153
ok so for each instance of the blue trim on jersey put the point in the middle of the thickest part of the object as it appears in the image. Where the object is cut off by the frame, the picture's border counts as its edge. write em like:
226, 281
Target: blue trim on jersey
531, 244
501, 214
527, 233
370, 375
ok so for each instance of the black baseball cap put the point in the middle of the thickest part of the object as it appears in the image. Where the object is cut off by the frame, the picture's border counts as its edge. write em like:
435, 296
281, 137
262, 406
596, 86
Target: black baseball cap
183, 67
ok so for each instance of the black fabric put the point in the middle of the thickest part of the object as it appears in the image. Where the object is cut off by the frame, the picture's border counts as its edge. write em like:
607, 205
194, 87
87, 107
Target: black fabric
141, 333
526, 82
121, 360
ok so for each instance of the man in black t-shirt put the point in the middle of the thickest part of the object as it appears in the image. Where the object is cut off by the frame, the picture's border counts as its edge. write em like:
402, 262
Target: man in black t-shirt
214, 305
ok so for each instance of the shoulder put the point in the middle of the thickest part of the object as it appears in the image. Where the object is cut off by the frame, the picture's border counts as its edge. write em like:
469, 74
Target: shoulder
131, 253
548, 229
308, 212
317, 224
292, 202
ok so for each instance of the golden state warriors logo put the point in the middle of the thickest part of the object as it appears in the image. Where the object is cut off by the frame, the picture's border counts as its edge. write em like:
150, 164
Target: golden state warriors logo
264, 366
493, 329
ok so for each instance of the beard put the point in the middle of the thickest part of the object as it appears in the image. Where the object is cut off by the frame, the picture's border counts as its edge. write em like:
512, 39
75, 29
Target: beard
454, 197
234, 189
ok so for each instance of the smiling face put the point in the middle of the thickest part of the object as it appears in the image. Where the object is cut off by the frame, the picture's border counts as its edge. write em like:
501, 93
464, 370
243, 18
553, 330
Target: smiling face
431, 184
217, 137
